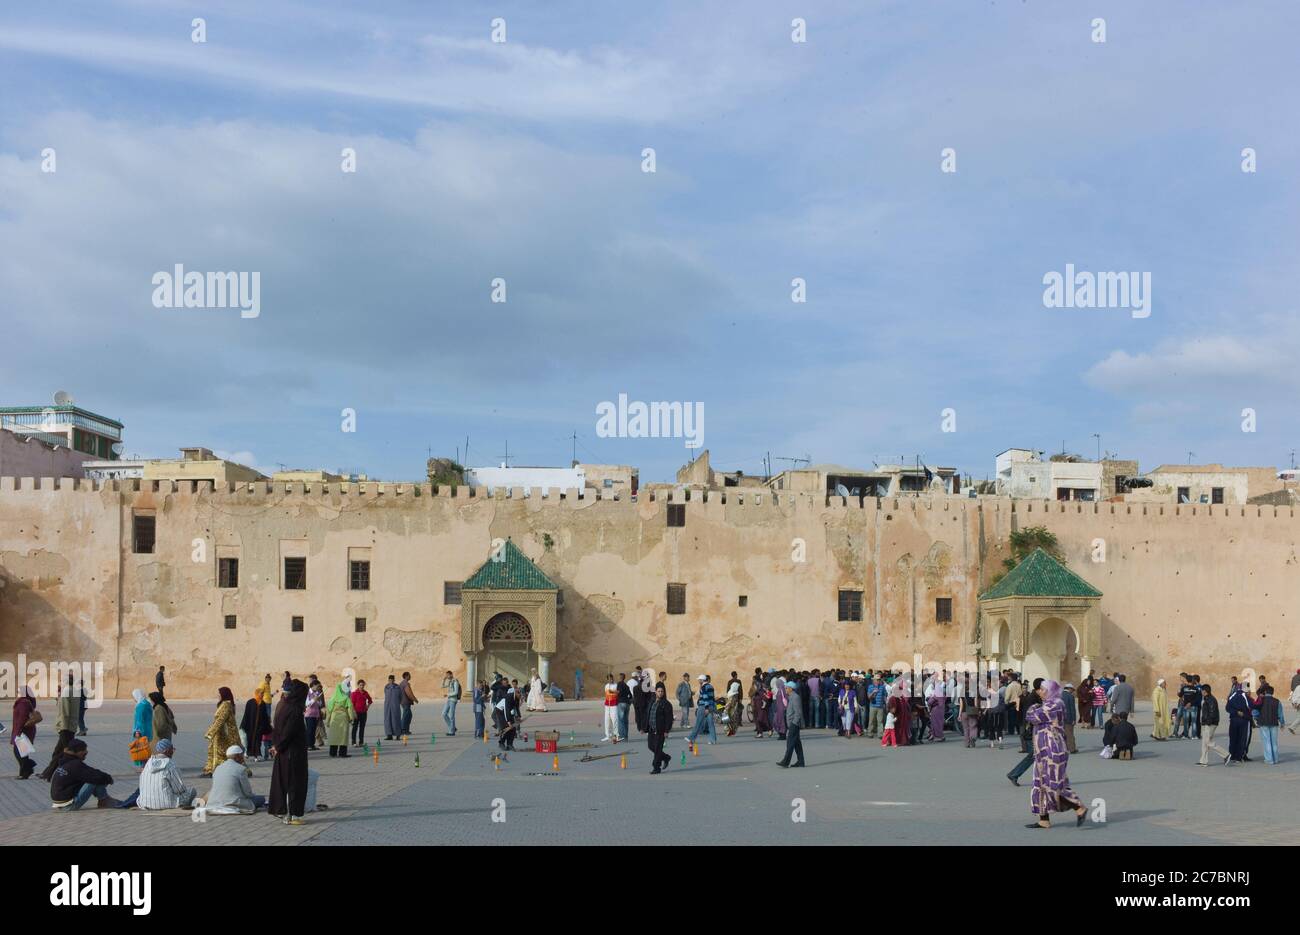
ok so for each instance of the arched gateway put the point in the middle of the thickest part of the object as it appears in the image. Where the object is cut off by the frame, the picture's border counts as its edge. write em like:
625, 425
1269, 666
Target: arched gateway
1043, 620
507, 616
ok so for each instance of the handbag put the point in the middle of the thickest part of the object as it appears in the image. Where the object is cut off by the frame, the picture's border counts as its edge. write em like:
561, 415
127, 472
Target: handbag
1108, 751
24, 746
139, 749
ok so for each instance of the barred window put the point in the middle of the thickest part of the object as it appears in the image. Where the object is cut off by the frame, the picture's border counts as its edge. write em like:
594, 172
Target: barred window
359, 624
676, 598
359, 576
943, 609
451, 592
227, 572
295, 574
144, 531
295, 624
850, 606
677, 514
230, 621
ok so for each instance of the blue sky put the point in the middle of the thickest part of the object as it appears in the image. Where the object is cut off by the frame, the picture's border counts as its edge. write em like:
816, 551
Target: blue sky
522, 160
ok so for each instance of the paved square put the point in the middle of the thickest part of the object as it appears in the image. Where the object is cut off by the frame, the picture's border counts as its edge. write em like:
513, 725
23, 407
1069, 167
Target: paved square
854, 792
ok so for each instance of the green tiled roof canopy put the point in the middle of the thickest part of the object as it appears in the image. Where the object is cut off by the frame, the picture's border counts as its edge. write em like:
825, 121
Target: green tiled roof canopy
514, 572
1040, 575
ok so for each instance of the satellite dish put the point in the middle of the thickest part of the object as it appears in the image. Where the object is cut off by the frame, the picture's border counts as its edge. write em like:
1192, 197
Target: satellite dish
117, 448
63, 398
841, 490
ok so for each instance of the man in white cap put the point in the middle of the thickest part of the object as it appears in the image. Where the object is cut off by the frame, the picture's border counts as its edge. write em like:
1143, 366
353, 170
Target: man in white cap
231, 790
793, 725
704, 713
161, 785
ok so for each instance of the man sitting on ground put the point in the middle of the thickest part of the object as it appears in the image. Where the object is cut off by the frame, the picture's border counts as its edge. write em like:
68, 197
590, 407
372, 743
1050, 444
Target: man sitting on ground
232, 793
73, 782
161, 785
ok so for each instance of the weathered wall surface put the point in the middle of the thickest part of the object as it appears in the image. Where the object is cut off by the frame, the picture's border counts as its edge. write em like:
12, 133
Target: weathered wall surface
1206, 589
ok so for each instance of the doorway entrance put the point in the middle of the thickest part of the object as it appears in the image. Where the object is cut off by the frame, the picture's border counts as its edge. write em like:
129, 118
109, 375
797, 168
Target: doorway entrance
507, 648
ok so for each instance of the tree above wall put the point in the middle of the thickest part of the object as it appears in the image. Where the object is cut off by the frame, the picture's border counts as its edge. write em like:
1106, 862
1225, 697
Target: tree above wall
1023, 543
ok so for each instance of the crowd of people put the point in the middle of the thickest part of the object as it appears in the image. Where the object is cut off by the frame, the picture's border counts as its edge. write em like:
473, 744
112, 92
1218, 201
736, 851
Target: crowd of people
781, 703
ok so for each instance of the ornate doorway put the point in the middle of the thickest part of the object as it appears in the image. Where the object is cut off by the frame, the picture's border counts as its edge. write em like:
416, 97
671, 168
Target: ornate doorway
507, 647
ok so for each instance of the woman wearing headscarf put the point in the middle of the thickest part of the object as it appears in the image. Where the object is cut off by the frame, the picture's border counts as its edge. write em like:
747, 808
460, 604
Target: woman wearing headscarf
1238, 709
164, 722
536, 693
251, 724
758, 697
1085, 703
25, 719
779, 702
143, 726
903, 729
1160, 711
223, 733
1051, 792
288, 797
339, 715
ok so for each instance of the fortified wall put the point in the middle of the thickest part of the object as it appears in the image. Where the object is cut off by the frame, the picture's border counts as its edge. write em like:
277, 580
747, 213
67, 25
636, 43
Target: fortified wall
1210, 589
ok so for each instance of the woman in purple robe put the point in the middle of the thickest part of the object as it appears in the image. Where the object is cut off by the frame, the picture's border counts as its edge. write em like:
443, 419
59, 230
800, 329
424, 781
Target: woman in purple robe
937, 701
1051, 792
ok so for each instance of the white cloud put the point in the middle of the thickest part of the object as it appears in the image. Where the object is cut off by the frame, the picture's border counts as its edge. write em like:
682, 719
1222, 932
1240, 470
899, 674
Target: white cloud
1195, 365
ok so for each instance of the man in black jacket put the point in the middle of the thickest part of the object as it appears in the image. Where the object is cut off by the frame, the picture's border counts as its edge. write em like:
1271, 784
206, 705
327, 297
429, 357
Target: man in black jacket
1209, 717
74, 782
659, 721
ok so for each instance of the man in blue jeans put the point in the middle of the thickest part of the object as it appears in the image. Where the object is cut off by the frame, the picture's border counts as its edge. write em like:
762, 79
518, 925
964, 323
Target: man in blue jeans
704, 713
73, 782
408, 699
577, 684
451, 686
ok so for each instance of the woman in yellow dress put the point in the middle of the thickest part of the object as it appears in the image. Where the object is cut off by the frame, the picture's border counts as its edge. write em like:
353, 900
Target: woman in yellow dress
223, 733
1160, 711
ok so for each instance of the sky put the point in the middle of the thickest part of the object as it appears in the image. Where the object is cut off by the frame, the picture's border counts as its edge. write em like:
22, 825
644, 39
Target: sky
924, 332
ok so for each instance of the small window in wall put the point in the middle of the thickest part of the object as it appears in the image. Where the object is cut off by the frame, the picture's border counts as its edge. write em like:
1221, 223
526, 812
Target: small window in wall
295, 574
943, 610
677, 514
227, 572
1184, 494
143, 534
295, 624
451, 592
676, 598
1063, 493
359, 576
1119, 483
359, 624
230, 621
743, 601
1216, 494
850, 606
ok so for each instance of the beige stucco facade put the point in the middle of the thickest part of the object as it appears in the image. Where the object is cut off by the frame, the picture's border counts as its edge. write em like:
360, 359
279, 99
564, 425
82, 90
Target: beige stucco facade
1195, 588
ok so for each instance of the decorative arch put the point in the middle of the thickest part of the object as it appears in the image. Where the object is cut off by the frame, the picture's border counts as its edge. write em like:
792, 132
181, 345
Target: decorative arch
508, 626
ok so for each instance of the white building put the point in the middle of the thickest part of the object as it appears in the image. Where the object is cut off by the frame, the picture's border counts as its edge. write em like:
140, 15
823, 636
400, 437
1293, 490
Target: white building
1022, 473
547, 478
113, 470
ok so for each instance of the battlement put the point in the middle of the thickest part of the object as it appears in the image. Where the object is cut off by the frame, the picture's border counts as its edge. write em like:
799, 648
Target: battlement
1026, 511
